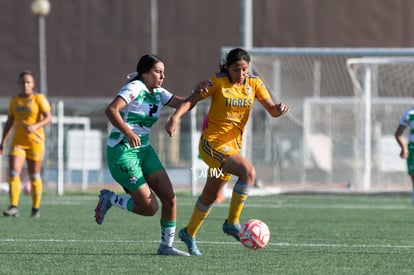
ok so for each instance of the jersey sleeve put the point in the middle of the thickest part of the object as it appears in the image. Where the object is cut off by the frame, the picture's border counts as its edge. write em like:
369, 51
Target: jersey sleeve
130, 91
166, 96
44, 105
405, 119
261, 90
11, 107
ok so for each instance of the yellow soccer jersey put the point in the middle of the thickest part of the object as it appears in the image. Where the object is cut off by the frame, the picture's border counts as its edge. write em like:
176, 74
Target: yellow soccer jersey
26, 111
230, 106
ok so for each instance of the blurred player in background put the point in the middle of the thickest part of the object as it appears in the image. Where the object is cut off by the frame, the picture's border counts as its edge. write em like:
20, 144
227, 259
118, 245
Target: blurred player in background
232, 91
407, 151
132, 161
28, 113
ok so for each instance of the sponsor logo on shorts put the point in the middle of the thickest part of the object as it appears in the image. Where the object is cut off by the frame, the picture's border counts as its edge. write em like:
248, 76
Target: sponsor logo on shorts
133, 180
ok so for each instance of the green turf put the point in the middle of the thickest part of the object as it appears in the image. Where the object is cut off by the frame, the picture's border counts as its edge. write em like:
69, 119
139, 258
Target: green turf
310, 234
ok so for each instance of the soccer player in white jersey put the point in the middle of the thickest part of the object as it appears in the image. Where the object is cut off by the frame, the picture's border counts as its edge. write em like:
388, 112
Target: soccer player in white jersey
407, 151
132, 161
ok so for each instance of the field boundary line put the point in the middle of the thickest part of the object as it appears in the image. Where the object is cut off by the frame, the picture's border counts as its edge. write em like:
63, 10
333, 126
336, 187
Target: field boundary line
283, 244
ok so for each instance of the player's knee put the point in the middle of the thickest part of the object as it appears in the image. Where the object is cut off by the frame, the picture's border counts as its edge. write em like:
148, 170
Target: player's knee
169, 202
34, 176
251, 173
208, 198
248, 174
150, 209
13, 173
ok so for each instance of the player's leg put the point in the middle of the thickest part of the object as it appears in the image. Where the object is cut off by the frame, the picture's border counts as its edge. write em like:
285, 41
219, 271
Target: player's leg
34, 167
160, 183
140, 201
213, 156
412, 192
36, 191
237, 165
17, 158
204, 203
201, 211
410, 166
162, 187
229, 160
125, 166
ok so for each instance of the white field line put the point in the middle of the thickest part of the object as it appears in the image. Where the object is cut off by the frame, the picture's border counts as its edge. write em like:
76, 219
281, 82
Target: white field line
336, 206
272, 205
390, 246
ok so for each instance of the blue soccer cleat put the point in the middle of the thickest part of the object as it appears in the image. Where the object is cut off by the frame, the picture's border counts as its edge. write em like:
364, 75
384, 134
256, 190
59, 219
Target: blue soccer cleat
190, 242
232, 230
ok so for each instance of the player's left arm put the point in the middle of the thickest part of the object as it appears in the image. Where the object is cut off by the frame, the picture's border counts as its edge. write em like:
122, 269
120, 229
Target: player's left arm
275, 110
6, 131
263, 96
184, 106
398, 137
46, 116
46, 119
175, 102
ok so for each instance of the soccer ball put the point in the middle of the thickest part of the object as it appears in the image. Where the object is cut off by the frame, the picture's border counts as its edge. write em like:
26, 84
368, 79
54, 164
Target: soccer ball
254, 234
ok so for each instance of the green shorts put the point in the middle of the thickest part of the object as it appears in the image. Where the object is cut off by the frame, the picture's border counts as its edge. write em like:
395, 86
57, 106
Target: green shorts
130, 167
410, 159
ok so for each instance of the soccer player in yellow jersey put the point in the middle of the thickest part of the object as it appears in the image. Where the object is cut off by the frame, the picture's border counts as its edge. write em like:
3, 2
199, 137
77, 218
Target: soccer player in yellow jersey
232, 93
28, 113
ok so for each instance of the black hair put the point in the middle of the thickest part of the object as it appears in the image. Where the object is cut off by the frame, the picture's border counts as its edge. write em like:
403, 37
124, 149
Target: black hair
22, 74
145, 63
234, 56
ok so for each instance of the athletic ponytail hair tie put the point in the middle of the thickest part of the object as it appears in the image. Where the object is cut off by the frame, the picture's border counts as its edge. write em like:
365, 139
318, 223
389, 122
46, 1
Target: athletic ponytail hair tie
132, 75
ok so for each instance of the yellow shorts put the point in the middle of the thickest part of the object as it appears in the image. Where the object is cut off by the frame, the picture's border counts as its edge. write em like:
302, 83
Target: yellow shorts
214, 154
33, 152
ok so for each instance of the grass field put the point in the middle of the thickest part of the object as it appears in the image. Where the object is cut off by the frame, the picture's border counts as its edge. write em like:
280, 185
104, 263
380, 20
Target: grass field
311, 234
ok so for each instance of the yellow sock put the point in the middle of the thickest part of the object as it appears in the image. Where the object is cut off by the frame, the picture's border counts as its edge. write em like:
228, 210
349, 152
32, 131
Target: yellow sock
200, 213
15, 189
36, 191
238, 197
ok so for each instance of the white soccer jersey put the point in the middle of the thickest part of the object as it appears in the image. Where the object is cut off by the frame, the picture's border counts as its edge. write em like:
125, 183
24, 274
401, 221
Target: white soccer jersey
407, 120
142, 110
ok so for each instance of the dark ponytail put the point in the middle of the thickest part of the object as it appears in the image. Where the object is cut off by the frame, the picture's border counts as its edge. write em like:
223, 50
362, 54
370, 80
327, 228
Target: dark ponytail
145, 64
234, 56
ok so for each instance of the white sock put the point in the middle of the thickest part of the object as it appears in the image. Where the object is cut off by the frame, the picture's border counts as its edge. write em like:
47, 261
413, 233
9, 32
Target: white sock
120, 201
167, 236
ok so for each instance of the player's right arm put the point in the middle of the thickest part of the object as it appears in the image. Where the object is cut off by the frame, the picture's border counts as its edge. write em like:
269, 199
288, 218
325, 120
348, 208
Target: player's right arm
185, 106
113, 114
7, 129
400, 141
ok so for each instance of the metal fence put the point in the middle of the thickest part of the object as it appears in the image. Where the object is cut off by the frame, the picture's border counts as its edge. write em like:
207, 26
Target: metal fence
314, 147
